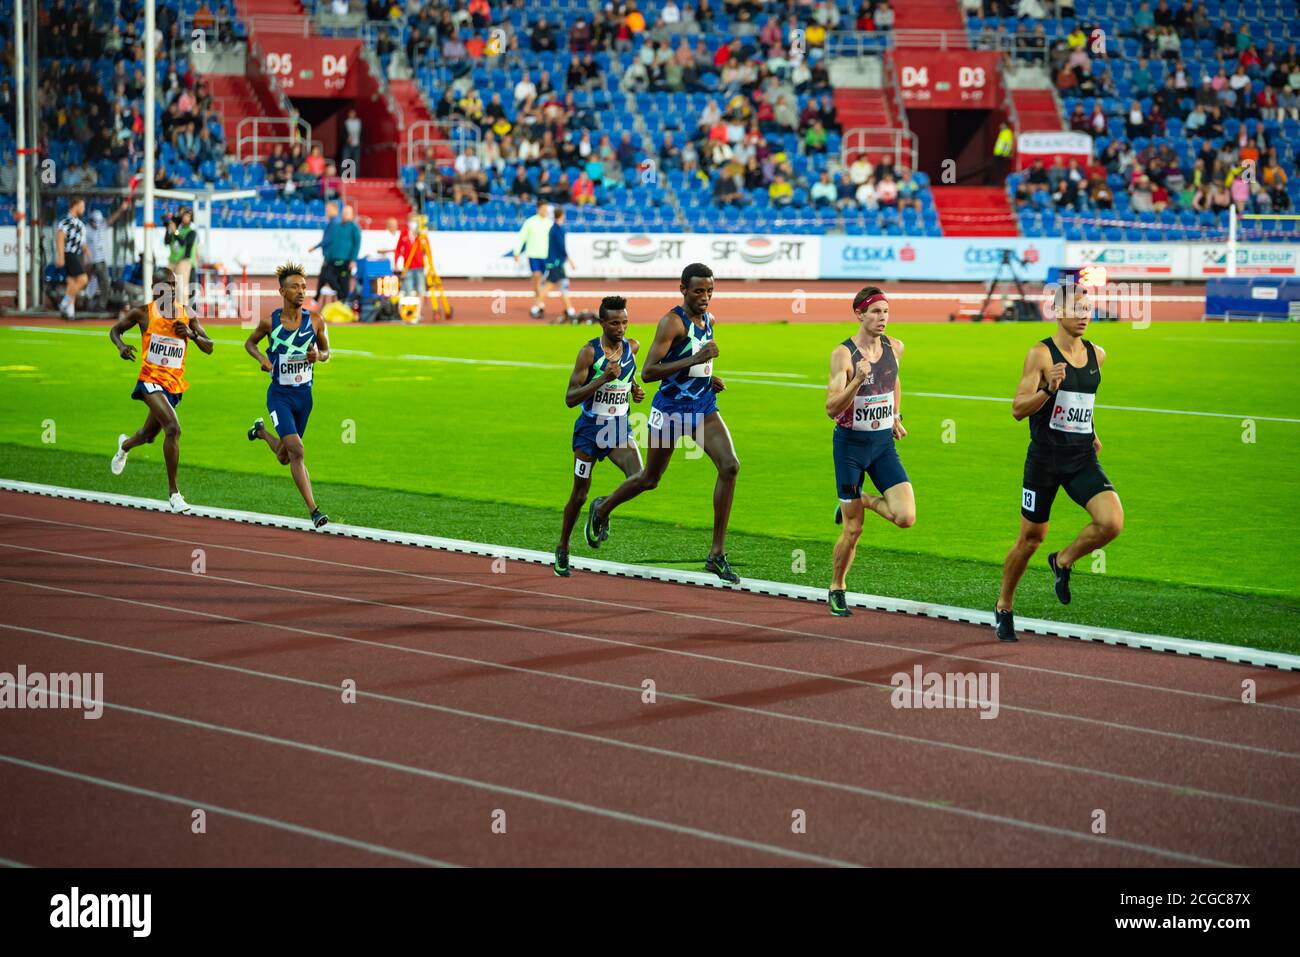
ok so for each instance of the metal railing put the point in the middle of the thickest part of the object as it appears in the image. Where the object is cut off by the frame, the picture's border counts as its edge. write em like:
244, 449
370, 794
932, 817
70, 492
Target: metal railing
852, 43
456, 135
900, 143
296, 24
257, 136
892, 84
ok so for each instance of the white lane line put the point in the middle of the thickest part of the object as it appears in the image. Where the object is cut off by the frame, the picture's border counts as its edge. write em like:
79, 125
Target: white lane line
473, 783
699, 656
209, 807
624, 606
1237, 654
939, 806
686, 698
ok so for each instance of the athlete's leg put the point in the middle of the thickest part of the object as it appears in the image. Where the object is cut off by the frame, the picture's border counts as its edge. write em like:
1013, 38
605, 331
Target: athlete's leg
582, 468
276, 446
656, 463
539, 296
628, 459
897, 505
293, 448
1107, 522
163, 412
1031, 536
846, 546
145, 434
716, 441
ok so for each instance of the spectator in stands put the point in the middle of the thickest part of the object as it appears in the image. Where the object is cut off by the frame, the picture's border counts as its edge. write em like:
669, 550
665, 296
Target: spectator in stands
1288, 104
1225, 39
1067, 192
866, 196
1101, 195
1079, 120
1140, 197
1037, 179
1239, 190
823, 192
541, 39
781, 193
352, 142
1136, 124
480, 13
470, 178
815, 139
725, 190
884, 17
584, 190
865, 21
1097, 123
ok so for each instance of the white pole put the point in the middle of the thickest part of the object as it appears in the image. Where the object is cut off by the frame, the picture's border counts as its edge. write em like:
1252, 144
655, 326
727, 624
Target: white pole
150, 76
20, 76
1232, 241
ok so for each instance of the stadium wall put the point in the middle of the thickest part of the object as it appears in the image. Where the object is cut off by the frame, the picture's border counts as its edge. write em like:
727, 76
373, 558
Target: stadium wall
783, 257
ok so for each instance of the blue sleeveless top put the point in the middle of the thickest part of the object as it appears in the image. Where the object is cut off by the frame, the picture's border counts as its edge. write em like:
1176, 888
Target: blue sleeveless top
288, 352
695, 382
613, 397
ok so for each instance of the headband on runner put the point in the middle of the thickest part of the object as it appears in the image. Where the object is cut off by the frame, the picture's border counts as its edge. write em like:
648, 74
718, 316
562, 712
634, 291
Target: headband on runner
878, 297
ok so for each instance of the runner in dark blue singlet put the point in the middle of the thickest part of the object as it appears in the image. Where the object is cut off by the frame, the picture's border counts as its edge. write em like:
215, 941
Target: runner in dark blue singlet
681, 360
297, 342
1057, 393
603, 384
862, 397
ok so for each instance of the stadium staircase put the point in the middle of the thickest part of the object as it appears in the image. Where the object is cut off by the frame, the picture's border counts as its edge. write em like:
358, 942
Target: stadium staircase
235, 96
1036, 110
930, 15
974, 211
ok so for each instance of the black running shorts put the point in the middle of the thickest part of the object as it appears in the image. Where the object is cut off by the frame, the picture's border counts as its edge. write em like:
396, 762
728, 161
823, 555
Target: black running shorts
1079, 473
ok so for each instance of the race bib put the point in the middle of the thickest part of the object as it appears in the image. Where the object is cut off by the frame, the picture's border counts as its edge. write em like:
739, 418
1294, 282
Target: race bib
295, 370
1072, 412
166, 351
704, 368
872, 413
611, 399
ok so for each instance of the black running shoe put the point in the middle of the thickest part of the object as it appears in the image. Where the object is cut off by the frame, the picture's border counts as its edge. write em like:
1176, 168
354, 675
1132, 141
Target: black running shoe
319, 518
596, 530
1006, 624
253, 433
839, 516
561, 564
722, 568
839, 607
1062, 579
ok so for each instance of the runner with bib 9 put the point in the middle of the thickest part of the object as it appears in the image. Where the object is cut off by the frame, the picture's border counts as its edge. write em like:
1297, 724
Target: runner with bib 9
863, 397
602, 384
1057, 393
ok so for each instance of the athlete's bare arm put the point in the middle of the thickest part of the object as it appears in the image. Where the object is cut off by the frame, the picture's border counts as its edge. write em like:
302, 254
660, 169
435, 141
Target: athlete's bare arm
638, 393
845, 380
257, 335
136, 317
195, 331
672, 327
579, 389
1038, 383
1101, 357
319, 351
899, 431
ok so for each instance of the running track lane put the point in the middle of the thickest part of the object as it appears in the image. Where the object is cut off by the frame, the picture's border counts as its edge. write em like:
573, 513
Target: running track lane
522, 692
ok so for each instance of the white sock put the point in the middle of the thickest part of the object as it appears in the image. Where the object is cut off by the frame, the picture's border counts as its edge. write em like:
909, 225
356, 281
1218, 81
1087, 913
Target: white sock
64, 302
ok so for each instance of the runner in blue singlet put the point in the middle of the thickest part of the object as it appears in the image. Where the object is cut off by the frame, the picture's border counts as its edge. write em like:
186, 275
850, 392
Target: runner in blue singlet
296, 345
681, 359
603, 384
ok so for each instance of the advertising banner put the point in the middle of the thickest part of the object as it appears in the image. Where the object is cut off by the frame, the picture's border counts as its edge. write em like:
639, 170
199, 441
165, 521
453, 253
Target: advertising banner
1131, 260
970, 259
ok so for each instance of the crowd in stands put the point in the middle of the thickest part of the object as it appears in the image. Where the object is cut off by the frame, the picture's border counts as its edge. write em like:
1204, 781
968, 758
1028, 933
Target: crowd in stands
765, 87
1185, 114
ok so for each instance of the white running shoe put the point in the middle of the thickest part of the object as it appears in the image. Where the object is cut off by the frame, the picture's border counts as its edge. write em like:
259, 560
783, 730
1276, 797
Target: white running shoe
119, 460
178, 502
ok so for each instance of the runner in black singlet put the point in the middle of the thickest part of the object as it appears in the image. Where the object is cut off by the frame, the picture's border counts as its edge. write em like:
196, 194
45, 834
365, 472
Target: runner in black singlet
1057, 394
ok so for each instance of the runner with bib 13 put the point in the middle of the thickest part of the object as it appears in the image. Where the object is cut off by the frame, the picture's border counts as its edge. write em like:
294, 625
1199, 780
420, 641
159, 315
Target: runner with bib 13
1057, 394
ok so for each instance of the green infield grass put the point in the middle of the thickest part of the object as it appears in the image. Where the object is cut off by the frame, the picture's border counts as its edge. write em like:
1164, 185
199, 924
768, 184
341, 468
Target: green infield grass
463, 432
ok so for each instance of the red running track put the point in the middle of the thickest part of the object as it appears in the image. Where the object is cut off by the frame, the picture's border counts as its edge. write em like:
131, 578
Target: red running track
520, 698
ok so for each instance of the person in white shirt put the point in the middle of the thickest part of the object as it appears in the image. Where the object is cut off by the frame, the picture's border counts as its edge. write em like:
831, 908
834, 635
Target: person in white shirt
525, 90
860, 171
341, 8
866, 195
671, 13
